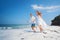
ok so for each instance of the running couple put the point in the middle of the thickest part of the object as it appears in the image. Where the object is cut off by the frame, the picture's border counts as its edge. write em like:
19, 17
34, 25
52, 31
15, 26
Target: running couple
40, 22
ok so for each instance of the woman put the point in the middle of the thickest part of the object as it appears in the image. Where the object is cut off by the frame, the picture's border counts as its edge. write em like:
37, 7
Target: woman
40, 21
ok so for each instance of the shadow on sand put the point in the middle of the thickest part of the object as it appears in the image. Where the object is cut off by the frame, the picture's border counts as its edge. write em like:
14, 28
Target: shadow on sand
31, 31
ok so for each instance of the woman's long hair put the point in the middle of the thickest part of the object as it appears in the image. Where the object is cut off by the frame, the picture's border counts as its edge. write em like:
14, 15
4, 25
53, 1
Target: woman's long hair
39, 13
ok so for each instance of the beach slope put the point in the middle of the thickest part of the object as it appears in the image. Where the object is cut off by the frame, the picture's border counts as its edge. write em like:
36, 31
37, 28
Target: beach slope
51, 33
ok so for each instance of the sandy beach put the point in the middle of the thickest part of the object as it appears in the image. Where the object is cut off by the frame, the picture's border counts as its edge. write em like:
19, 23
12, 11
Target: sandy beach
51, 33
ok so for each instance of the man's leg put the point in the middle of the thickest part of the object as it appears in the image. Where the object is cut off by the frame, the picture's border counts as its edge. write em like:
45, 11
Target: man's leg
33, 28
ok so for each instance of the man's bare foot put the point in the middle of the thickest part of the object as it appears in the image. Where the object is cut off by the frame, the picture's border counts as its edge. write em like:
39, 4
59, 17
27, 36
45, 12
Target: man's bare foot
34, 31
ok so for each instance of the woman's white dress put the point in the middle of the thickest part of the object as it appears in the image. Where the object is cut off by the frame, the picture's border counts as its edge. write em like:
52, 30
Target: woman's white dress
41, 22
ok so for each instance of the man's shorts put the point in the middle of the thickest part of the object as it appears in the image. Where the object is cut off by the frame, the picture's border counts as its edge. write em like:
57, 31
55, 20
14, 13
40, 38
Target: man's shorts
33, 25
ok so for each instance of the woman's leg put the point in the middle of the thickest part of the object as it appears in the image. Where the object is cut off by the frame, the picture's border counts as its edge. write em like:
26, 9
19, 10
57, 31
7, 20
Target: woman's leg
40, 27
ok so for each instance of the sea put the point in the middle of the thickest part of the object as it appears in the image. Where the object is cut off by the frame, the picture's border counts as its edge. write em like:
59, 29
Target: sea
14, 26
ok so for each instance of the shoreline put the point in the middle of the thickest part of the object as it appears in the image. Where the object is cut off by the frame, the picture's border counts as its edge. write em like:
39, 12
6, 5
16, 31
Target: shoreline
52, 33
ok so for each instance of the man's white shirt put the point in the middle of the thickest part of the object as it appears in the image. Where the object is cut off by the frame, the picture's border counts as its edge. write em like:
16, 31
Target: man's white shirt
33, 19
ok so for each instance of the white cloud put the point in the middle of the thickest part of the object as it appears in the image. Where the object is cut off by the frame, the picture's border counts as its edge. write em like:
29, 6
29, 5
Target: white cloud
47, 8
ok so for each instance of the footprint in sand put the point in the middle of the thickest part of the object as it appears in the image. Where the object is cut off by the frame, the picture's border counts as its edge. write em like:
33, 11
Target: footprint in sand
44, 36
56, 31
45, 32
22, 38
48, 37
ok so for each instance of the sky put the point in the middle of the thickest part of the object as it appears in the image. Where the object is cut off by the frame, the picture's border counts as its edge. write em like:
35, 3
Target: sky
17, 11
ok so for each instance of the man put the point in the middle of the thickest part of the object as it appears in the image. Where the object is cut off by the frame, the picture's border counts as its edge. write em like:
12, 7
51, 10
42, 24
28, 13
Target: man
33, 21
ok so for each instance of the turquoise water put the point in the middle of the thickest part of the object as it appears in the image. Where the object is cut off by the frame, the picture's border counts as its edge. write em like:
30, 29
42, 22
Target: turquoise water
15, 26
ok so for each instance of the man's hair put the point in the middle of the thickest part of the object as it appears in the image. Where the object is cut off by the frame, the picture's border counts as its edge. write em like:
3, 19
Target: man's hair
30, 14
